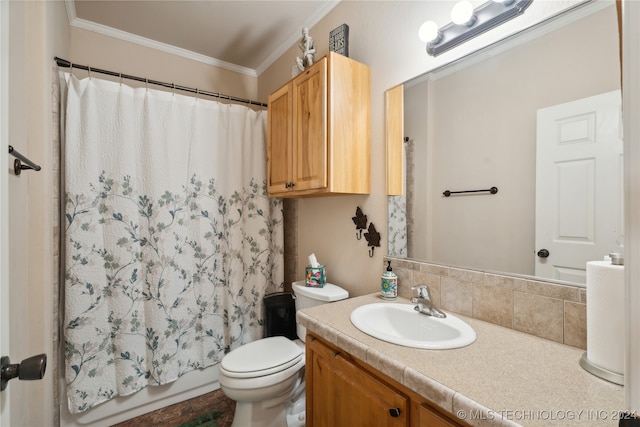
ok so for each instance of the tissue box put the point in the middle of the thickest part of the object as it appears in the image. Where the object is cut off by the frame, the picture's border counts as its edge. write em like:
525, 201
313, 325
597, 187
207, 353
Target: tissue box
315, 277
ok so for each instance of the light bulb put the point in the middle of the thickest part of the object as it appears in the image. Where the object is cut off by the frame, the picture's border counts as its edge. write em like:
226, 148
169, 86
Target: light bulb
462, 13
428, 32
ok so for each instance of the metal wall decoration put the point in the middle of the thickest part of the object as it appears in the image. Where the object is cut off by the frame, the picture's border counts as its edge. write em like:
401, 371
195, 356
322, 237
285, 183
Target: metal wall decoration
360, 220
372, 236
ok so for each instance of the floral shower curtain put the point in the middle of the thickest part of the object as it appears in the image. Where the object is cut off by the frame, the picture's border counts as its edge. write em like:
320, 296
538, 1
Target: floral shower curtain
170, 239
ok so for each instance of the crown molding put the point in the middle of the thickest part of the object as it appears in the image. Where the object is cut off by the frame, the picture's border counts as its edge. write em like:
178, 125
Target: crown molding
74, 21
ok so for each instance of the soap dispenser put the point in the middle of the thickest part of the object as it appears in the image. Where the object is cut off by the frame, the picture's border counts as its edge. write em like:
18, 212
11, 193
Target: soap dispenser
389, 288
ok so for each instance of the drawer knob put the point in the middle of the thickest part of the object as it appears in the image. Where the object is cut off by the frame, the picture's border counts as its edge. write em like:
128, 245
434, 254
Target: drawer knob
395, 412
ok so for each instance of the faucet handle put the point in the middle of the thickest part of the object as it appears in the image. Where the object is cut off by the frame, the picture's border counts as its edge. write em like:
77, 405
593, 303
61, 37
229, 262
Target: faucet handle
423, 291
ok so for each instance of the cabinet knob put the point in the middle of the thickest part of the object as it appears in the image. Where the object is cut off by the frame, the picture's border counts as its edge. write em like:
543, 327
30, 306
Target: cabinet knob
395, 412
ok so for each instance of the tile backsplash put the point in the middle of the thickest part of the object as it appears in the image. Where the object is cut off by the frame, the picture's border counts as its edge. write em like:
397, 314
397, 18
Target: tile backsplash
547, 310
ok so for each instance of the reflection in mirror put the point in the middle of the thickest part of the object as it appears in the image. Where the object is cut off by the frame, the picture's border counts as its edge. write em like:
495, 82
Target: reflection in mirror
483, 122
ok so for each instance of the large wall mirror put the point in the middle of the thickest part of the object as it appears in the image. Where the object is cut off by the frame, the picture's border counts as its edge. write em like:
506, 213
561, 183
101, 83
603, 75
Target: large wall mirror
537, 116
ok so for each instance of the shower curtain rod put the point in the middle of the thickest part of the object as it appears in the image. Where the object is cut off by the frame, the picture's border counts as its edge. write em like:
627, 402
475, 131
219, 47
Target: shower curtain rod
66, 64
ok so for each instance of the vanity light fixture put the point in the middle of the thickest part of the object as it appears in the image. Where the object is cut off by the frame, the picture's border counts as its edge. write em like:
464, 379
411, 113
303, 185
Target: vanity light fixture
468, 23
462, 13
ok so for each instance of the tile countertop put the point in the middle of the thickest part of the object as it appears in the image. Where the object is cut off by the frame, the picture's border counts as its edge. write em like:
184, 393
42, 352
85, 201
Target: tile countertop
505, 377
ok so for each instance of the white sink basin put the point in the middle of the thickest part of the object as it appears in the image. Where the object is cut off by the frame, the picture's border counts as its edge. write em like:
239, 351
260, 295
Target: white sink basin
400, 324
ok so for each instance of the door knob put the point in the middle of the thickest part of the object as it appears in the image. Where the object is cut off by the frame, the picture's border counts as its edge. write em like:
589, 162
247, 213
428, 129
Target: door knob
543, 253
31, 368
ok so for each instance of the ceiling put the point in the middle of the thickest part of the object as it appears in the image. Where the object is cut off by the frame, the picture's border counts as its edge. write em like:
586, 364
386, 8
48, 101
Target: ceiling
241, 35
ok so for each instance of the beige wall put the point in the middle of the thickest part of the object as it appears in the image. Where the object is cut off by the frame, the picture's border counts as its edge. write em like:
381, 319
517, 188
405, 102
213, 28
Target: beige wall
99, 51
383, 35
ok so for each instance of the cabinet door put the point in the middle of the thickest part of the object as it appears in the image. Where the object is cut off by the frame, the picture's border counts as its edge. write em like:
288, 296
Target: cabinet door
340, 393
310, 128
279, 140
431, 418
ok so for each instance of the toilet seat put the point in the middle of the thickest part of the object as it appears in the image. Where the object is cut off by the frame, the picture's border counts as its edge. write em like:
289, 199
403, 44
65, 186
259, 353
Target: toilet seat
263, 357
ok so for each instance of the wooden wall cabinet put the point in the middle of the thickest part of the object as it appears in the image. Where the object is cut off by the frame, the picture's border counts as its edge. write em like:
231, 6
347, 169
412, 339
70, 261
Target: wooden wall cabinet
344, 391
318, 139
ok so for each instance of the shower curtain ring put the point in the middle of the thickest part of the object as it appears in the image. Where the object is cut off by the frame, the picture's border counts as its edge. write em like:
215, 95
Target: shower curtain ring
120, 79
89, 68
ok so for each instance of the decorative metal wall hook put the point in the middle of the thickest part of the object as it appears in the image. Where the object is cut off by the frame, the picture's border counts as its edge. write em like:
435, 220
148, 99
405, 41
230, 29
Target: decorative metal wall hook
373, 238
360, 220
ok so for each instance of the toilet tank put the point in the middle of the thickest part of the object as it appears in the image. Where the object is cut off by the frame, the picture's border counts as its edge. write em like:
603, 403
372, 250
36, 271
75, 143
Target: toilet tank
307, 296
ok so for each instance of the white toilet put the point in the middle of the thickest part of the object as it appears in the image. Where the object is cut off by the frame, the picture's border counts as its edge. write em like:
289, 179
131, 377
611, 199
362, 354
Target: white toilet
266, 377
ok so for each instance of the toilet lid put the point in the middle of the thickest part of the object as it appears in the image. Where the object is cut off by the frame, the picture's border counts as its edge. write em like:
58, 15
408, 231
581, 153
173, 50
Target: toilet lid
328, 293
262, 357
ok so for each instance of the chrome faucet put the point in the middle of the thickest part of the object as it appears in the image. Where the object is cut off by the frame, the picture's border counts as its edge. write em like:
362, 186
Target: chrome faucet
423, 302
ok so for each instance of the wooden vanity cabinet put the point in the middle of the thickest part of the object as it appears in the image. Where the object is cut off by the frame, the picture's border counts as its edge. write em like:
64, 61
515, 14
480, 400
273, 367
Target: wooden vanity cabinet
340, 393
425, 416
344, 391
318, 138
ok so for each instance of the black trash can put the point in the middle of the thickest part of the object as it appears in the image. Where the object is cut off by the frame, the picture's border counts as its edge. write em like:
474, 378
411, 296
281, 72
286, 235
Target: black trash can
280, 315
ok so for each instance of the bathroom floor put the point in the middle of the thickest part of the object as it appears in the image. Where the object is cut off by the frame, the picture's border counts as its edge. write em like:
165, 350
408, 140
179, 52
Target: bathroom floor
179, 413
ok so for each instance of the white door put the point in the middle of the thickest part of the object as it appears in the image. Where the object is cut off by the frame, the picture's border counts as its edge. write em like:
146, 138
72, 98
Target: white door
4, 204
579, 195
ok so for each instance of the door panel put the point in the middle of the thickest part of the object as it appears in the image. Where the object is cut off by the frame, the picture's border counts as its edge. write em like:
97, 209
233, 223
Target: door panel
310, 128
279, 140
578, 185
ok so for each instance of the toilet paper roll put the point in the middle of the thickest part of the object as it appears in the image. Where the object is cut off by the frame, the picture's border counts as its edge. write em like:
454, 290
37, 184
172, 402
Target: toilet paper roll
605, 315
